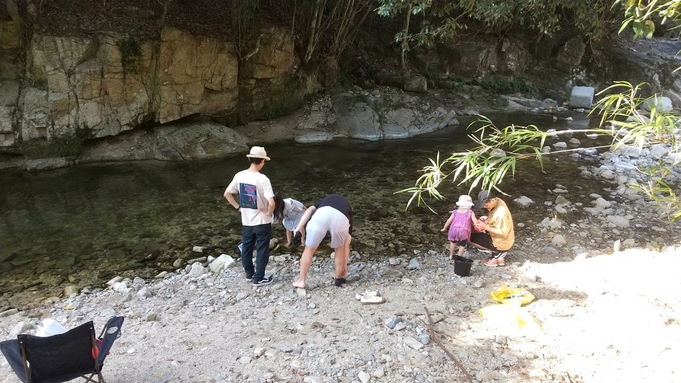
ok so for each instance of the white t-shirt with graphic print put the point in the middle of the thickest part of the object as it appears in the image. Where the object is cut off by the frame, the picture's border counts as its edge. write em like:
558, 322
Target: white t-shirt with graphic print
254, 189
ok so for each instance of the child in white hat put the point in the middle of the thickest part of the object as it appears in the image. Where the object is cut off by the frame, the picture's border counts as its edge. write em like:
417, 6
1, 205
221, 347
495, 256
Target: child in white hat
459, 225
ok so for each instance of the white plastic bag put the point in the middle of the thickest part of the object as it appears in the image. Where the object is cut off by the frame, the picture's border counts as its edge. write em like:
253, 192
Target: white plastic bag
50, 327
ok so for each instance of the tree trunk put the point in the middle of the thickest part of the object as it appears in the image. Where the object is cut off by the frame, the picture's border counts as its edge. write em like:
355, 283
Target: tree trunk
311, 42
405, 41
165, 4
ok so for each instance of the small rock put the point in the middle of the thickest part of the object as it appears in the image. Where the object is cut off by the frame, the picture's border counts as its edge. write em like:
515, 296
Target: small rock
559, 241
70, 290
497, 153
414, 265
523, 201
20, 328
9, 312
121, 287
413, 343
286, 349
606, 174
144, 293
364, 377
197, 270
618, 221
222, 262
560, 200
392, 322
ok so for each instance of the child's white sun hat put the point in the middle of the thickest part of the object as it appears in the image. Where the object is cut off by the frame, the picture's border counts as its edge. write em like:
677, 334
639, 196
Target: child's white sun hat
465, 201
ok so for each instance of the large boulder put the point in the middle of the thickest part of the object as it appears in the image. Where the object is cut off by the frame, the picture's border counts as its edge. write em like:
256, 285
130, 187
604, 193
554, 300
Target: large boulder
571, 53
171, 142
416, 83
390, 115
356, 118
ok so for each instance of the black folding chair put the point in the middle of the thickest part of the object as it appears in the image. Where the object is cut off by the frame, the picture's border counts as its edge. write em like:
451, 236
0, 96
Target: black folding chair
63, 357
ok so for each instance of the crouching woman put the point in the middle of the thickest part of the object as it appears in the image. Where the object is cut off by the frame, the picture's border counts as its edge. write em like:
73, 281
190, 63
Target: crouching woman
498, 235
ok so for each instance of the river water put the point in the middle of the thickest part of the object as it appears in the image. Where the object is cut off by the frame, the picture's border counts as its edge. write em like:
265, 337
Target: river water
86, 224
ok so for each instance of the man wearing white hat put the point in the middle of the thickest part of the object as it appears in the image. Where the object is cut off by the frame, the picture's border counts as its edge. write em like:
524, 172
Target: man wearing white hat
256, 204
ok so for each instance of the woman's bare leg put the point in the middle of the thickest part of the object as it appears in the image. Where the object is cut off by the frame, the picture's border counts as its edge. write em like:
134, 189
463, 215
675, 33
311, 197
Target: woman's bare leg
341, 258
305, 263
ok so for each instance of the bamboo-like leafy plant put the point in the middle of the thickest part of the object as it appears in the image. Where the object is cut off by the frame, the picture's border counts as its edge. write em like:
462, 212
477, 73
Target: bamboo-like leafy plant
487, 164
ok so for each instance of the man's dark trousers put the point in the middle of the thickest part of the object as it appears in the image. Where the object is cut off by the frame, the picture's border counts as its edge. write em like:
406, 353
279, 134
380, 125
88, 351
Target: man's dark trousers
258, 237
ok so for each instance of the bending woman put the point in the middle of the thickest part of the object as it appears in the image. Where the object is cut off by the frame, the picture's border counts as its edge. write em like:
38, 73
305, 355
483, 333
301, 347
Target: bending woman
499, 234
333, 214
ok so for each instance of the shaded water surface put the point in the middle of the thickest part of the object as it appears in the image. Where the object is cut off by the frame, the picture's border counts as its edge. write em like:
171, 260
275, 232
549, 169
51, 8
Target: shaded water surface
86, 224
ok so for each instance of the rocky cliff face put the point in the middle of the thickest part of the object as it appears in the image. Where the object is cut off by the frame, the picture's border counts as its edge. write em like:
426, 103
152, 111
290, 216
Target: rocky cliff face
100, 86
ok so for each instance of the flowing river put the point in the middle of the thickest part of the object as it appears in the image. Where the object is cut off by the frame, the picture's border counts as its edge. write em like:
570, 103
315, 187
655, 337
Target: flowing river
86, 224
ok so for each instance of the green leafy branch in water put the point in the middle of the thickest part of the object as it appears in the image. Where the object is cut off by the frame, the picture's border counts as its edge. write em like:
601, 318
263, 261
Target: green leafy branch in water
631, 127
659, 191
486, 165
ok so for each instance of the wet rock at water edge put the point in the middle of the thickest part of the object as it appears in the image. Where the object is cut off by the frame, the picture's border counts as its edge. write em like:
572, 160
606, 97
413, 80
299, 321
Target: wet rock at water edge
523, 201
71, 290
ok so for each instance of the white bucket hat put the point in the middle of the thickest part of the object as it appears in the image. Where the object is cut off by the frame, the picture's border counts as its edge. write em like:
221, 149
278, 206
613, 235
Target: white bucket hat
465, 201
258, 152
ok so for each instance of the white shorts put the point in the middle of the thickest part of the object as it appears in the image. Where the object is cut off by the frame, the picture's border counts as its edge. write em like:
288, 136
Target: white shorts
327, 219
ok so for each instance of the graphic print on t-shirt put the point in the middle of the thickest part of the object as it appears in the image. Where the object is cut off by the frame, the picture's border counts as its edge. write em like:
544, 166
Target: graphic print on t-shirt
248, 195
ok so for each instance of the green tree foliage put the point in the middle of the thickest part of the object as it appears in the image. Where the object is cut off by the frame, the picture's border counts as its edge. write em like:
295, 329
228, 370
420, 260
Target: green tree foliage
639, 15
442, 20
